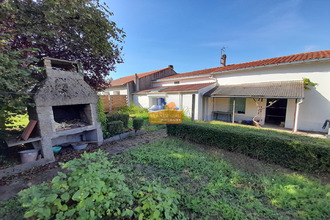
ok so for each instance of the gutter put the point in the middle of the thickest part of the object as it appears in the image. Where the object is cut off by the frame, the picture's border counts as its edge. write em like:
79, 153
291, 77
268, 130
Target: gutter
256, 97
273, 65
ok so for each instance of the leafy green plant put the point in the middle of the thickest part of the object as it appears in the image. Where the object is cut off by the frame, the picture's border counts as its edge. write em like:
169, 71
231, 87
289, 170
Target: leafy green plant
11, 209
91, 189
308, 83
156, 202
137, 123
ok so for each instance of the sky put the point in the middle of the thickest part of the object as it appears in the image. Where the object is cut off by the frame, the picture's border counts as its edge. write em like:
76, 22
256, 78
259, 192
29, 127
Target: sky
189, 34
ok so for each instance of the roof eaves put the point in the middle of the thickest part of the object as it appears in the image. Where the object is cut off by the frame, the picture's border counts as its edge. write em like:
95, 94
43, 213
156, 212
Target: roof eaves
175, 78
272, 65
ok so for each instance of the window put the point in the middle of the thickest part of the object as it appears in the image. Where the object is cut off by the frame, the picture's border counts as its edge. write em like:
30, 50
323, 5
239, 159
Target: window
239, 105
116, 92
177, 82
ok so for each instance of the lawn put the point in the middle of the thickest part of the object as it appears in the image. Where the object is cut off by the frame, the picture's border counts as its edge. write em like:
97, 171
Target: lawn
211, 188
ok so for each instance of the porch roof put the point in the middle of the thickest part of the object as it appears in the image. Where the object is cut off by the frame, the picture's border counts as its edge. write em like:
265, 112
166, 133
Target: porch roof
281, 89
176, 88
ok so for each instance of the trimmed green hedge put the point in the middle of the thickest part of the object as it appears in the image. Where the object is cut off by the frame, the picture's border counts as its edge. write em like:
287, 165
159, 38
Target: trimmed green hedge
293, 151
138, 123
114, 128
118, 117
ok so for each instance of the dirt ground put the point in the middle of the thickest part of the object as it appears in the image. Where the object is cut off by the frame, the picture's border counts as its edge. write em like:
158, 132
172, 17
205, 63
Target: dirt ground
11, 185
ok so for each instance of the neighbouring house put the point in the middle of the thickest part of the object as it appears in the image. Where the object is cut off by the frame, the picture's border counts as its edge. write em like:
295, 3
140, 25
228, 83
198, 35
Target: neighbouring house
125, 86
235, 92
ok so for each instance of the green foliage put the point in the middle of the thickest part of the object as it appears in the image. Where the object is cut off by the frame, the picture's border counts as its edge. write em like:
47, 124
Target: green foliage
137, 123
118, 117
299, 193
156, 202
101, 116
17, 122
91, 189
308, 83
132, 110
275, 147
11, 209
113, 128
72, 30
210, 188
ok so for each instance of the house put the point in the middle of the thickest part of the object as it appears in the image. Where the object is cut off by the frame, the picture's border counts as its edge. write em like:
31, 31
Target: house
133, 83
236, 92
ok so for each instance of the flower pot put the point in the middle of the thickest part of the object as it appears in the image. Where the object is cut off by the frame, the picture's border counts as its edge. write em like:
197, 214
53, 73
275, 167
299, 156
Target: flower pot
79, 146
28, 156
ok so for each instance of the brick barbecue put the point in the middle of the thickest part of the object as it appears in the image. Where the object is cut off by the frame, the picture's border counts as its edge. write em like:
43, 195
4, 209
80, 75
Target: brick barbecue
65, 108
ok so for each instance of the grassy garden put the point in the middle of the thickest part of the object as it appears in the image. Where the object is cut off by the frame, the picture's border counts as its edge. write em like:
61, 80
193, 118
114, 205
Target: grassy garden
168, 179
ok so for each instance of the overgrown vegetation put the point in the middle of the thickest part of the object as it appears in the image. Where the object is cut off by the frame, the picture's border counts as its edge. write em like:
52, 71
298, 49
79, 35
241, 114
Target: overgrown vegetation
293, 151
92, 189
171, 179
211, 189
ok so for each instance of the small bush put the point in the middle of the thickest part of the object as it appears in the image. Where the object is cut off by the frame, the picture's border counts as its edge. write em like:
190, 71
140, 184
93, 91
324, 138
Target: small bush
114, 128
91, 189
118, 117
293, 151
132, 110
137, 123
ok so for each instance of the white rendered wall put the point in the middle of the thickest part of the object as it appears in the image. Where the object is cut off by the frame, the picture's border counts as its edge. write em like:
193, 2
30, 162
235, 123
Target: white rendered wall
121, 89
196, 80
141, 100
315, 108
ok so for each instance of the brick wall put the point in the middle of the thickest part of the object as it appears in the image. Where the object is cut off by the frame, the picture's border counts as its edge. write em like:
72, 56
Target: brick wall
113, 102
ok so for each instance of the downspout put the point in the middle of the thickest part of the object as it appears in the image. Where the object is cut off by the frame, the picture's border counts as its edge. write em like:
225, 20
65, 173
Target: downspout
295, 126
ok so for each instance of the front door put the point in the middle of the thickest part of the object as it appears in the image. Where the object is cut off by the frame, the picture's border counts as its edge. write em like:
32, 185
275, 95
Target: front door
275, 114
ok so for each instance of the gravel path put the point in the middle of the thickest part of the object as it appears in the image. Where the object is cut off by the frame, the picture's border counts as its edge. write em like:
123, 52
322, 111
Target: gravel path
11, 185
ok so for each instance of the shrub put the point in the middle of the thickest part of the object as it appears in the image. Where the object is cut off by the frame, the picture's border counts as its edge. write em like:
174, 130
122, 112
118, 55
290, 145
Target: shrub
138, 123
293, 151
114, 128
132, 110
91, 189
119, 117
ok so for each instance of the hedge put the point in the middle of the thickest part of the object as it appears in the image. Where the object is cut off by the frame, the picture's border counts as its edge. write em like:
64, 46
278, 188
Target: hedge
118, 117
288, 150
114, 128
138, 123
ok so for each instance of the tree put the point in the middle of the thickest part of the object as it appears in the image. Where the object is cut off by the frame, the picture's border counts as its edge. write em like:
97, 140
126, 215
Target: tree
77, 30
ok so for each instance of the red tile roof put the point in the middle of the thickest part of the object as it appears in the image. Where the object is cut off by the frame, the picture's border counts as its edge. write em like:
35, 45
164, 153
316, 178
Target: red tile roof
178, 88
265, 62
127, 79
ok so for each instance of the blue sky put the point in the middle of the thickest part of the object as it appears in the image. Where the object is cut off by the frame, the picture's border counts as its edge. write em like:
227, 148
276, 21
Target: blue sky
190, 33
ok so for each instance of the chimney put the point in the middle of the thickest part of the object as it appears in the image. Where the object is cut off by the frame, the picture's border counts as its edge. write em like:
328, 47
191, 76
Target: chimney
171, 66
137, 83
223, 60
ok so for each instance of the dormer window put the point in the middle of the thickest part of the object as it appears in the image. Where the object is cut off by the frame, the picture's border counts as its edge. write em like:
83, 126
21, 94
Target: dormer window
177, 82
